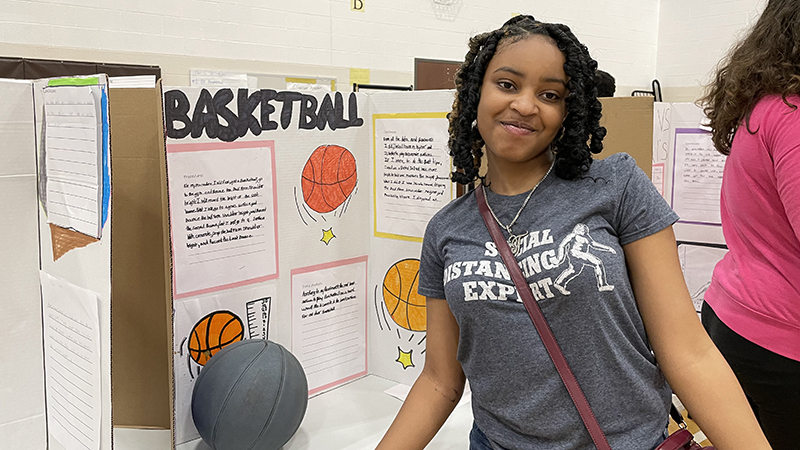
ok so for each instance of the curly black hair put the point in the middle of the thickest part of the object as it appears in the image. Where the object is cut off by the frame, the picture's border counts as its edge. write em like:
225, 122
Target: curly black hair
606, 84
581, 133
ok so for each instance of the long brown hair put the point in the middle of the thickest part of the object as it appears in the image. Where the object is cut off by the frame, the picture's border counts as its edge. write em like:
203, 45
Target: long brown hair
766, 61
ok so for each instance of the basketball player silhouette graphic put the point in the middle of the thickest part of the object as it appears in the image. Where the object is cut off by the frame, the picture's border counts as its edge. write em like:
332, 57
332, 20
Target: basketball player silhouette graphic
575, 249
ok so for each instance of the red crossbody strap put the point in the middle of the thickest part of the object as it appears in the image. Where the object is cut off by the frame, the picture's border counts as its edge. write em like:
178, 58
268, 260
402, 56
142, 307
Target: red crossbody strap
540, 323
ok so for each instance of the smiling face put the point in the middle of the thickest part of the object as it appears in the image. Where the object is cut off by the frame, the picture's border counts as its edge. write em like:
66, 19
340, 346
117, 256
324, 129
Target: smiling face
522, 105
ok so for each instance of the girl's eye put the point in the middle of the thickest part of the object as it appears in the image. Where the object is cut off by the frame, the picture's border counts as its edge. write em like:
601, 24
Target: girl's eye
505, 85
551, 96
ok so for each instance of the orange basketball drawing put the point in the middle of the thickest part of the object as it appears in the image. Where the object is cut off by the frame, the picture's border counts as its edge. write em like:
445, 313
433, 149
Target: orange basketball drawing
406, 307
212, 333
329, 177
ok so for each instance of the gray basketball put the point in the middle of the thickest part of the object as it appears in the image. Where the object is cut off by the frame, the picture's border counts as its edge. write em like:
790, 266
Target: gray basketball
252, 395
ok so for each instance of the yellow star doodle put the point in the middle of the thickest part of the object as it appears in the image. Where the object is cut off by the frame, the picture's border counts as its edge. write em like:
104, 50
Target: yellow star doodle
327, 235
405, 358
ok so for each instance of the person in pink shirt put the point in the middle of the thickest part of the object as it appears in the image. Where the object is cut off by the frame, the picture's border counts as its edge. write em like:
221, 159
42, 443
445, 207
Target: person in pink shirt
752, 308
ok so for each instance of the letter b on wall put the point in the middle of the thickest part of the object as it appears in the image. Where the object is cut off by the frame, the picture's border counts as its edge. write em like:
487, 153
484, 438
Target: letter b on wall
357, 5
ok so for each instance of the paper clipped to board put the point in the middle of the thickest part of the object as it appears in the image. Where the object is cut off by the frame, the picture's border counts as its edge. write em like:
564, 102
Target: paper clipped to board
134, 81
202, 327
223, 202
329, 322
698, 177
71, 363
73, 139
412, 172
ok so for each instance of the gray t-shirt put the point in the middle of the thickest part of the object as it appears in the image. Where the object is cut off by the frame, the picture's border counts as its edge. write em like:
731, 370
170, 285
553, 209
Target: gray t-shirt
573, 260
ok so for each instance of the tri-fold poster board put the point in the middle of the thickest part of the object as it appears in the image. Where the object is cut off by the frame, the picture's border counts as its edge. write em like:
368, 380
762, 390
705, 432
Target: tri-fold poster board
61, 128
202, 217
687, 170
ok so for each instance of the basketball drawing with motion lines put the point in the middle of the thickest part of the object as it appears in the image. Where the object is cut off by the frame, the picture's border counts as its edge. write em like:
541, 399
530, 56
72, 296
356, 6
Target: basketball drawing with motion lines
405, 305
329, 178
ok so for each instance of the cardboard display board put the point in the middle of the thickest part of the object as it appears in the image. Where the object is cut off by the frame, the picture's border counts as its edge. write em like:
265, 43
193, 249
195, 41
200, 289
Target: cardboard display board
77, 335
397, 314
22, 422
629, 122
270, 195
141, 312
673, 146
687, 170
337, 189
691, 170
87, 348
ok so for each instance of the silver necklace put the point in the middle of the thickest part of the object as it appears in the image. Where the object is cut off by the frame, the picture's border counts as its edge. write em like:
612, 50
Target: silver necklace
515, 240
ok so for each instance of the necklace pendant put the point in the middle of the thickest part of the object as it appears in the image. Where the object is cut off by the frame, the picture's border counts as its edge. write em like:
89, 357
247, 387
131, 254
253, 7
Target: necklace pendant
515, 242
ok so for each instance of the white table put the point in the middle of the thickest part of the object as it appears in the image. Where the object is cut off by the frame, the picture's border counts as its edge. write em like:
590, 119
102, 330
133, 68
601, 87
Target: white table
352, 417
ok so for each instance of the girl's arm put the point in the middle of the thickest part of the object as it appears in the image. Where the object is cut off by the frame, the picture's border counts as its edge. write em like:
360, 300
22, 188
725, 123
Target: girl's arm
438, 388
693, 366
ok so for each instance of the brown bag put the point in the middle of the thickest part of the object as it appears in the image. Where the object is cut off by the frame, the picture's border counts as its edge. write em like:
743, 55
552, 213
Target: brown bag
681, 439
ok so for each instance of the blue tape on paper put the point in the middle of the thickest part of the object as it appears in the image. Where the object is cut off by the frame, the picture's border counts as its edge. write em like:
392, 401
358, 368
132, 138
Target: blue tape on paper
106, 168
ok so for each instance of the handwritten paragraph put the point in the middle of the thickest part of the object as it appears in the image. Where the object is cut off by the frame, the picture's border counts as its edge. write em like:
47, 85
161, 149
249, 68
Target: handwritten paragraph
224, 210
411, 170
329, 321
324, 299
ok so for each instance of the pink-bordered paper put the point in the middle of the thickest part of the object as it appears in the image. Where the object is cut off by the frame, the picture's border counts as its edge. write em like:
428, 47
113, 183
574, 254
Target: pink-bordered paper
223, 211
658, 175
323, 298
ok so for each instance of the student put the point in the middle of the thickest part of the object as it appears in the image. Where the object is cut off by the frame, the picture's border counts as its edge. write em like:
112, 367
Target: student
606, 84
752, 309
526, 93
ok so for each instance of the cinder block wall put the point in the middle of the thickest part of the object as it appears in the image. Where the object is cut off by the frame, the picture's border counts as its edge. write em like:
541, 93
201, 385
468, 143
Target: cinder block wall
312, 37
693, 36
676, 41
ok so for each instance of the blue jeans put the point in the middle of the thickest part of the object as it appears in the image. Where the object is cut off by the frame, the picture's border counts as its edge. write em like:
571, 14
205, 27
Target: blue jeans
478, 440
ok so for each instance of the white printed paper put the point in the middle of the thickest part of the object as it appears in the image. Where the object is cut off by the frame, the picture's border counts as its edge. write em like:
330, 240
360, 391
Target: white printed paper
412, 174
310, 85
134, 81
698, 263
204, 326
72, 363
222, 205
698, 177
329, 322
218, 78
73, 148
658, 177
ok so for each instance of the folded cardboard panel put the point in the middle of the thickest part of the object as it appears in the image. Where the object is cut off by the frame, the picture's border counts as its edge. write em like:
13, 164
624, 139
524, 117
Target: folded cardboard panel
141, 313
629, 121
